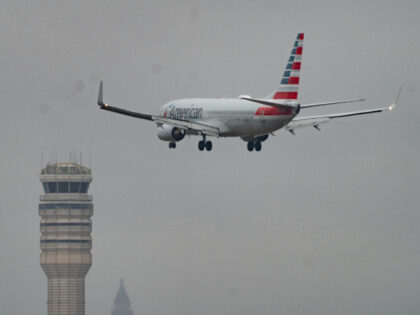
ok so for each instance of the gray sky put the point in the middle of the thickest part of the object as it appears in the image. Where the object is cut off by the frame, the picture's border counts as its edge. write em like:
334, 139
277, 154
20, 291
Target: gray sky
319, 223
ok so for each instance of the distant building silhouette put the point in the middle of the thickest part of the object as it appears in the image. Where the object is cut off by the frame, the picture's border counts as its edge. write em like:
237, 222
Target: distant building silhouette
122, 302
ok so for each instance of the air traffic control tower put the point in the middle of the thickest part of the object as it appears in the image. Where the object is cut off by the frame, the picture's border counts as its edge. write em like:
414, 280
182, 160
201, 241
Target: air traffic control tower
65, 211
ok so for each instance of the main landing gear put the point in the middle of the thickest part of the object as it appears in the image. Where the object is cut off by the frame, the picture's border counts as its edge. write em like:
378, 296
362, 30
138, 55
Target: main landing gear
254, 145
172, 145
203, 144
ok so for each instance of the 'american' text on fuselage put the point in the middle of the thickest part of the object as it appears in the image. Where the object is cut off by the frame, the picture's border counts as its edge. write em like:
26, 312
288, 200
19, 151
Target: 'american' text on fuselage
185, 113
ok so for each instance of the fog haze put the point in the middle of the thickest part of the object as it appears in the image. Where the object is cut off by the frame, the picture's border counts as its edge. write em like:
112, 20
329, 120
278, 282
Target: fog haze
318, 223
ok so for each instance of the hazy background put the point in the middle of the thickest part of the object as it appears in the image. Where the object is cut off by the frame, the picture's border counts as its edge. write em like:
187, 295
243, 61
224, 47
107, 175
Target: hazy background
321, 223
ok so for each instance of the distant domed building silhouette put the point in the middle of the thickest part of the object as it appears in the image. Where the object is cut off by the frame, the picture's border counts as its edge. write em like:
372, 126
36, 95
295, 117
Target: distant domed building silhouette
122, 302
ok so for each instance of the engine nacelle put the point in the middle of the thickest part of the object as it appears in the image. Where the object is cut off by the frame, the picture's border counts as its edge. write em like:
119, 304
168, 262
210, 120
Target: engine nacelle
169, 133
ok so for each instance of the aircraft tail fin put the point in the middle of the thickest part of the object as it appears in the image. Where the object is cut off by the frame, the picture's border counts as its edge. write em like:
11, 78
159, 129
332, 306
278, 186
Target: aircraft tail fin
289, 84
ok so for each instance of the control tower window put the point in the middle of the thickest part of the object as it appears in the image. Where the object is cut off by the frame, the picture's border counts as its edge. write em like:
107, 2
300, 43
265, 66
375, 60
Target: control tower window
52, 187
84, 187
74, 187
63, 187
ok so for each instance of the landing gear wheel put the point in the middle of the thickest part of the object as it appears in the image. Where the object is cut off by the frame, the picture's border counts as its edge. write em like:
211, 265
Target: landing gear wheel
201, 145
209, 145
250, 145
257, 146
172, 145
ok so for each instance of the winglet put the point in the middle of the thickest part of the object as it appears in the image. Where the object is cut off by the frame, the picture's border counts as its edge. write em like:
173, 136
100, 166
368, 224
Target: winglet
100, 95
396, 99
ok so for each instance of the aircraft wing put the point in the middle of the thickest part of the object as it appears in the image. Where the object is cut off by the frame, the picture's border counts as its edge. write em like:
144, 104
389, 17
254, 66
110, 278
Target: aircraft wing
181, 124
315, 121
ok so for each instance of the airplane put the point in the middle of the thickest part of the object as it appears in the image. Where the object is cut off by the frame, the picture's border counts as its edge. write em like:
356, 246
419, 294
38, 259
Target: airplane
251, 119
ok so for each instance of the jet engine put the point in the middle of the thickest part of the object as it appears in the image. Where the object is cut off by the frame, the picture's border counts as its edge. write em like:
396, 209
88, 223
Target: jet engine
169, 133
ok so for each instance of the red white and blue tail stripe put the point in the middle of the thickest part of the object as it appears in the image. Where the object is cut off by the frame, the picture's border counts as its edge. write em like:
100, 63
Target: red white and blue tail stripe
289, 84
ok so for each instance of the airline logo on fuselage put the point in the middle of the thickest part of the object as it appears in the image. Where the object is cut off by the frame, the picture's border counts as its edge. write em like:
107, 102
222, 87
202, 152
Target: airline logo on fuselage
187, 113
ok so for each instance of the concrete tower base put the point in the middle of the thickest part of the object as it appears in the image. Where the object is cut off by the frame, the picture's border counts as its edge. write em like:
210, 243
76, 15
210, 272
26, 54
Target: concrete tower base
66, 296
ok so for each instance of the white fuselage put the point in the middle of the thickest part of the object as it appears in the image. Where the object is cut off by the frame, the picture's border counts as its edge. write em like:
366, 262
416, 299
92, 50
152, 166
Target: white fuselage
233, 117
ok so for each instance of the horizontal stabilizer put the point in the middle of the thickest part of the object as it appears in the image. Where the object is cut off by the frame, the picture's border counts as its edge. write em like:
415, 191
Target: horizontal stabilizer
271, 102
330, 103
